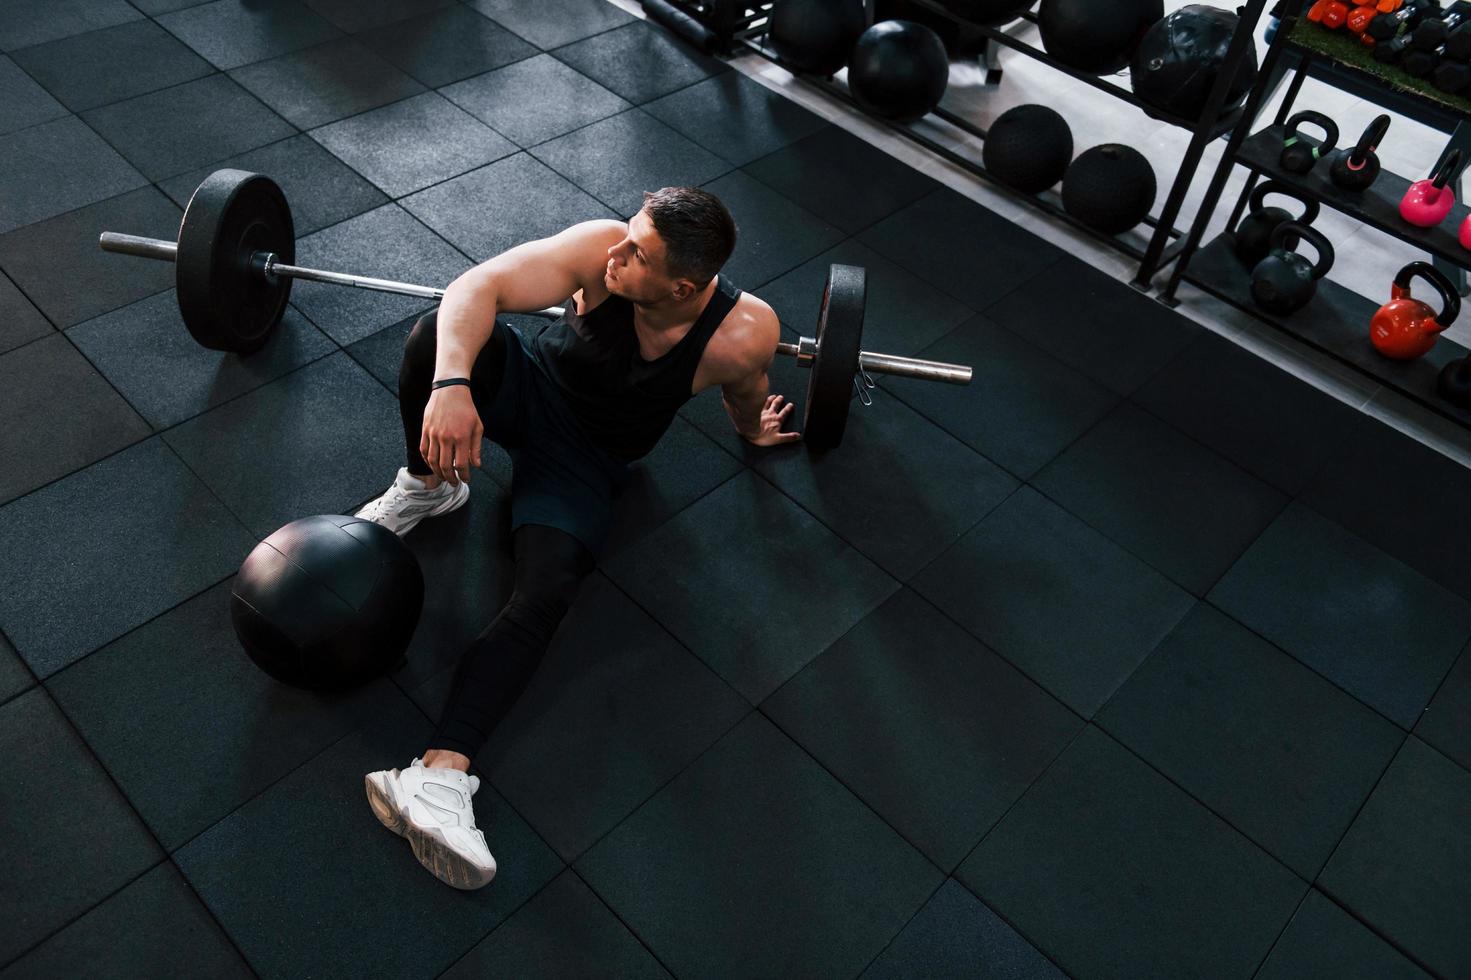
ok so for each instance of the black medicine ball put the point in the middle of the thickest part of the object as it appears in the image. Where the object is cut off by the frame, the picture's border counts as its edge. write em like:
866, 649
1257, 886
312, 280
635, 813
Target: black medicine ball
1176, 64
1028, 148
327, 603
1110, 188
816, 36
988, 12
898, 70
1096, 36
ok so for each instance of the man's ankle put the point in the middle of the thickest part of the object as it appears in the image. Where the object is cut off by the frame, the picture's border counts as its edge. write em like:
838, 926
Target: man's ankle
430, 480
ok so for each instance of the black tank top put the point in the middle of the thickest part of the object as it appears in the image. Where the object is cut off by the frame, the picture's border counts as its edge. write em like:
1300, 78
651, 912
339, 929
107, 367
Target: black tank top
624, 402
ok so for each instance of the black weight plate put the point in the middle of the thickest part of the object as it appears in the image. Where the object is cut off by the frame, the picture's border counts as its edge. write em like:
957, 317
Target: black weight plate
225, 303
839, 343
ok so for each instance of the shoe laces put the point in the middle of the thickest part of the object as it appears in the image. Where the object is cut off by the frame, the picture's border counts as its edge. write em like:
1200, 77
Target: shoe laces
390, 500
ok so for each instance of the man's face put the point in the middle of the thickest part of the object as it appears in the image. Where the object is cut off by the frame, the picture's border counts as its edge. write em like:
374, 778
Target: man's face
636, 269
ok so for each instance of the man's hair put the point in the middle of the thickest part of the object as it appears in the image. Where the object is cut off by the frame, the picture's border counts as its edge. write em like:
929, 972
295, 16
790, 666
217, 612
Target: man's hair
698, 232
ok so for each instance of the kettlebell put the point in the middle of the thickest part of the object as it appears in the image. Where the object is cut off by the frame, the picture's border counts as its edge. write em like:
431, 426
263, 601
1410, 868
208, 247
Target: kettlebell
1455, 382
1355, 168
1405, 327
1299, 153
1427, 202
1254, 233
1285, 281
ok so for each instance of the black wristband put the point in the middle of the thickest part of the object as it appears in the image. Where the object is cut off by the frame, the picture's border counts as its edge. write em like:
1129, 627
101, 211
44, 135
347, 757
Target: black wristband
452, 381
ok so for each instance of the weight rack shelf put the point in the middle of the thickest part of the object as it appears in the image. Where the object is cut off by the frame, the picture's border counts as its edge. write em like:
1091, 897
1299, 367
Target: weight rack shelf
1336, 322
1377, 206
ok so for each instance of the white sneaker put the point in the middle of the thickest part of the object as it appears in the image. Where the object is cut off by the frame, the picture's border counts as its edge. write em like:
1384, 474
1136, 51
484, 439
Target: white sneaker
433, 810
407, 502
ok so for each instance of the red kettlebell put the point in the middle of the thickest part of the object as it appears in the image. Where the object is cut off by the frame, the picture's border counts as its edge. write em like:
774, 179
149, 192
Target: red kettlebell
1427, 202
1405, 327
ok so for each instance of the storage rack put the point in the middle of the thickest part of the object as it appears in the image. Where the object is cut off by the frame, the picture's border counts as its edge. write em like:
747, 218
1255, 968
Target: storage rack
742, 27
1336, 321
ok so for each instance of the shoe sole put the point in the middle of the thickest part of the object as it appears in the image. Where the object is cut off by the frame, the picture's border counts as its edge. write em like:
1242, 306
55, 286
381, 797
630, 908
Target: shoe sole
430, 847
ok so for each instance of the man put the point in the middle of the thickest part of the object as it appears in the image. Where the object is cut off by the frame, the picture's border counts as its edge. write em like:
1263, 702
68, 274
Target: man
650, 324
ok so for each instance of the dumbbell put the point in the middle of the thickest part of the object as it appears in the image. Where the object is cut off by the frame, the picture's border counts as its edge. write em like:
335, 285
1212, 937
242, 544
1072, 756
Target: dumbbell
1452, 77
1432, 32
1386, 26
1421, 64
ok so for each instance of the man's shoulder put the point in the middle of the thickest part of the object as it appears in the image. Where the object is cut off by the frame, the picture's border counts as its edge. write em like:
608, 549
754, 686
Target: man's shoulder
747, 337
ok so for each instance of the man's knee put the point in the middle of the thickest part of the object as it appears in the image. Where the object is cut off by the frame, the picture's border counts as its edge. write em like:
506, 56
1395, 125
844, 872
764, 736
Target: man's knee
539, 608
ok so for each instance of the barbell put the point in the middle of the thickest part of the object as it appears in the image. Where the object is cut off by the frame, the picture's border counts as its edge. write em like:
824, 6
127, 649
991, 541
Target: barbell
234, 263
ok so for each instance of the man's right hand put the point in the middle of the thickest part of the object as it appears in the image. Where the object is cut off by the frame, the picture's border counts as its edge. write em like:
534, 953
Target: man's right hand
452, 433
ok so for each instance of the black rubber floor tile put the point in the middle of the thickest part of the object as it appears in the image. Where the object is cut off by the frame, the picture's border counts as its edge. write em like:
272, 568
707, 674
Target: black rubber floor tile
407, 146
534, 100
1401, 495
59, 266
616, 160
155, 927
109, 548
315, 86
364, 885
145, 351
183, 679
57, 869
933, 489
155, 7
1249, 410
317, 441
1074, 611
1405, 865
683, 467
509, 202
955, 935
447, 45
20, 322
230, 34
961, 733
100, 67
552, 23
1022, 407
1283, 755
756, 862
902, 314
735, 118
565, 931
23, 103
787, 593
640, 61
614, 693
56, 167
187, 126
775, 235
1323, 942
385, 243
59, 415
1162, 496
362, 15
321, 189
936, 238
1446, 724
15, 677
1106, 329
1374, 626
1117, 873
841, 178
27, 22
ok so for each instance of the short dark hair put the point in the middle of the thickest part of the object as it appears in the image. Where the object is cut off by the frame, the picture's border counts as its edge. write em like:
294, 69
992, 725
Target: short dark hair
698, 232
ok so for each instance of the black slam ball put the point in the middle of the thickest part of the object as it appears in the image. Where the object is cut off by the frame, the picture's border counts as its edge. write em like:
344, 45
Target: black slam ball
1178, 61
1110, 188
1028, 148
989, 12
898, 70
1096, 36
327, 603
815, 36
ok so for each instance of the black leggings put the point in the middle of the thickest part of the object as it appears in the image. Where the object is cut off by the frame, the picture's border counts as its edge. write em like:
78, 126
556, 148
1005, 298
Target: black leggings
550, 567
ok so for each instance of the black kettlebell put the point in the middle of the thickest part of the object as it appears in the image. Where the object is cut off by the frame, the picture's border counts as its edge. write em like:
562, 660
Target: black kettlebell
1299, 152
1355, 168
1254, 233
1285, 281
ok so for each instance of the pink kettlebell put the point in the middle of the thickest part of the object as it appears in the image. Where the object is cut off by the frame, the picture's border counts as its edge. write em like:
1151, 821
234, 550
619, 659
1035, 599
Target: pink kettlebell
1466, 233
1427, 202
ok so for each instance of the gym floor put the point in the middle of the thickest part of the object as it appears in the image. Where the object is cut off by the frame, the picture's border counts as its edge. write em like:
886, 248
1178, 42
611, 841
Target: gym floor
1140, 656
